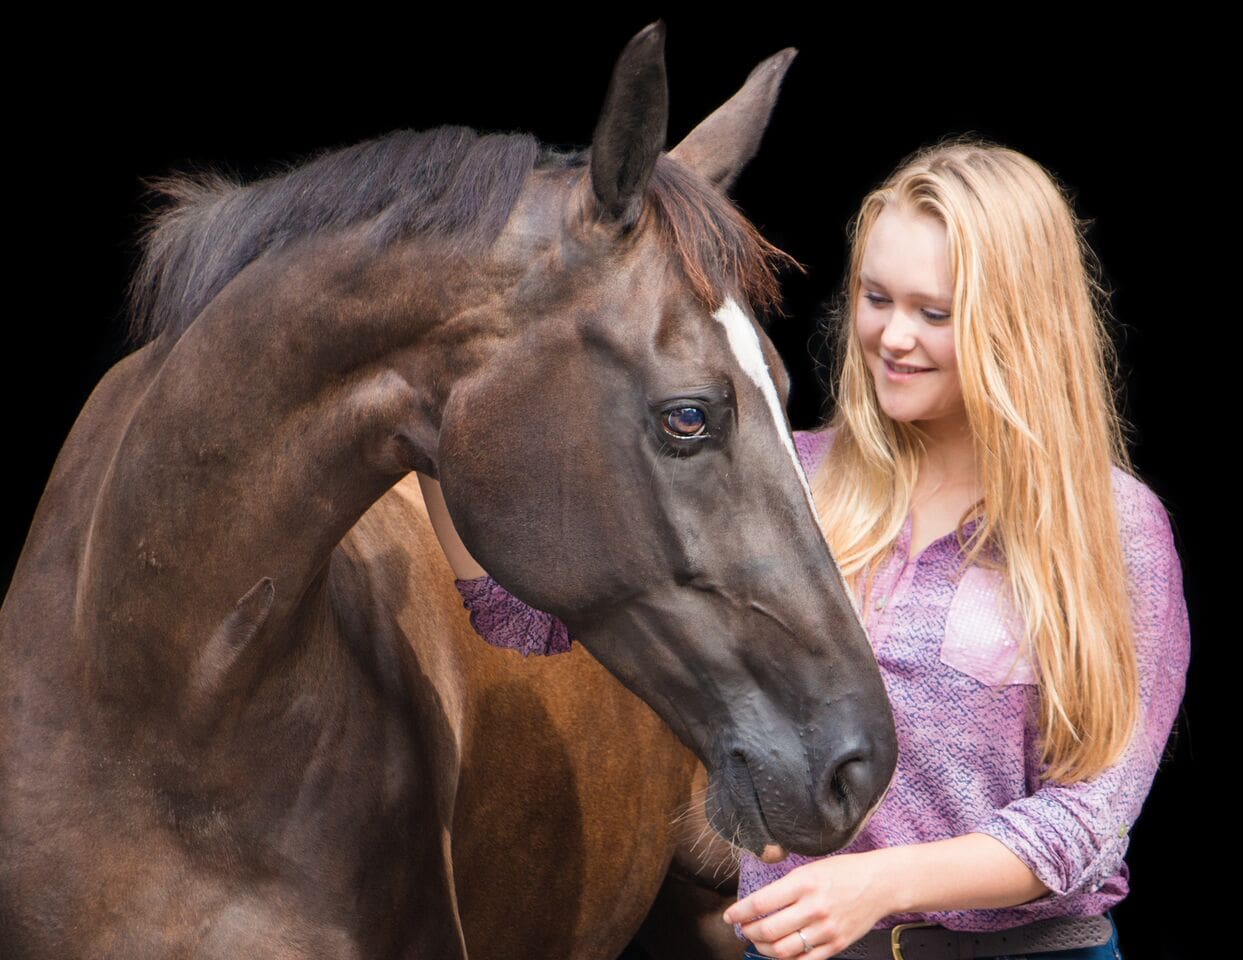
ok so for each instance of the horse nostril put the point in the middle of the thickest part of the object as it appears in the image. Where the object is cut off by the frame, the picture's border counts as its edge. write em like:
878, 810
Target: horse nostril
849, 780
840, 782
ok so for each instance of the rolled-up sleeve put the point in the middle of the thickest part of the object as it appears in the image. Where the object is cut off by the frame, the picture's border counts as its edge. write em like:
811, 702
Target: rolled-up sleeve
505, 621
1073, 837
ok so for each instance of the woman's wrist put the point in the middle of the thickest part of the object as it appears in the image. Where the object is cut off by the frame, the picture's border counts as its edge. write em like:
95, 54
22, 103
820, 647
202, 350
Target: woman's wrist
888, 870
896, 864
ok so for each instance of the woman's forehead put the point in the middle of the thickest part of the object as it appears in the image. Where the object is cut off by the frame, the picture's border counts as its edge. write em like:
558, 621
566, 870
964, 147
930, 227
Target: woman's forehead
909, 252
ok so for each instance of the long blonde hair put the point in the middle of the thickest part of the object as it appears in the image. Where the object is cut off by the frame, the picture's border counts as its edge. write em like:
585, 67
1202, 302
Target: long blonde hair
1039, 374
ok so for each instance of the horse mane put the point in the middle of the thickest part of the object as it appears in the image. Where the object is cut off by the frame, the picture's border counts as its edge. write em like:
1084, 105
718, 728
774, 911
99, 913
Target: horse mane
718, 248
450, 182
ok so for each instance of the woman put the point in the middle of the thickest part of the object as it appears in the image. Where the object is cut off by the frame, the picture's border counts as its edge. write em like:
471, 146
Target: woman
1020, 585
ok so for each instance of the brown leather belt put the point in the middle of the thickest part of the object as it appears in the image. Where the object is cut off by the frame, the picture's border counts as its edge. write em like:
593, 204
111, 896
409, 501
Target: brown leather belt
931, 941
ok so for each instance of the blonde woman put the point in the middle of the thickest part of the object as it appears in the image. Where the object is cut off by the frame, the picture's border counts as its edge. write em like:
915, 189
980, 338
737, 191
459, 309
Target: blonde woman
1019, 583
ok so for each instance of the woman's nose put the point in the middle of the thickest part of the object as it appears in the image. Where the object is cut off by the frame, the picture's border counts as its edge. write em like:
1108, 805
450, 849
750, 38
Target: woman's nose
899, 333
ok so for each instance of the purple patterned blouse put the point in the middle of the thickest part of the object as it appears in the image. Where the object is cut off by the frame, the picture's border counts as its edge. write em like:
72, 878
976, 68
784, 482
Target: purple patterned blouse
966, 709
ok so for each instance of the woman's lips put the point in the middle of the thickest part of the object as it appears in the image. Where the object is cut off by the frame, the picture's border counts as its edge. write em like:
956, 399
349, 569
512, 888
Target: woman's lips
910, 373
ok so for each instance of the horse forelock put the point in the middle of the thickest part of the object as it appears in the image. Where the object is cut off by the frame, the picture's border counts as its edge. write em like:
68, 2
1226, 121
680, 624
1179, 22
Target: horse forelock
717, 248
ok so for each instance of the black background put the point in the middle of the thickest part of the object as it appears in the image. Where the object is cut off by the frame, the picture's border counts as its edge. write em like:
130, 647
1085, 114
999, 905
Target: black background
1121, 125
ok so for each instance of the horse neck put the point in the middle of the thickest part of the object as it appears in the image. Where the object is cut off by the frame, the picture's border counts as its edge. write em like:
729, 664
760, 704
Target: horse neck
305, 390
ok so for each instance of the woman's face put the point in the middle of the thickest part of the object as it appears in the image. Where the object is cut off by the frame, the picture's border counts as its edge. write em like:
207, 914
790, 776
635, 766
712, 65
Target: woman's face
903, 319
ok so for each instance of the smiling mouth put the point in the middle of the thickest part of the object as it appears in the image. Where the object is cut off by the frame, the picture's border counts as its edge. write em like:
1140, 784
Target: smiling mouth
904, 368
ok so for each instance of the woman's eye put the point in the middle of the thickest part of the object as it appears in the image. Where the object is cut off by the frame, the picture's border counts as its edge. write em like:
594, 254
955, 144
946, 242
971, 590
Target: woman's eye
935, 316
686, 422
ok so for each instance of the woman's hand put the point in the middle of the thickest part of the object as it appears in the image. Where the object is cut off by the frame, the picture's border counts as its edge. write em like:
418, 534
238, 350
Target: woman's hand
834, 902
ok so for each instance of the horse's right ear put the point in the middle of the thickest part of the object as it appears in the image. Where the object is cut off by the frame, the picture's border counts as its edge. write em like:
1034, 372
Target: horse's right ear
631, 130
724, 143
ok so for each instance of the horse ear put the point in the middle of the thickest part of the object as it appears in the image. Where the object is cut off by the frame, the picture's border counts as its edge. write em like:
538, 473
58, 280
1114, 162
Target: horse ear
631, 130
724, 143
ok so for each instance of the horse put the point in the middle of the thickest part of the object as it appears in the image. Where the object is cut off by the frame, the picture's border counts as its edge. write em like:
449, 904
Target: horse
242, 711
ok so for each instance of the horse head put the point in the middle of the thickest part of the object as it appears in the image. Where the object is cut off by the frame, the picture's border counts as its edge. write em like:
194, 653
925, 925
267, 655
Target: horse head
617, 453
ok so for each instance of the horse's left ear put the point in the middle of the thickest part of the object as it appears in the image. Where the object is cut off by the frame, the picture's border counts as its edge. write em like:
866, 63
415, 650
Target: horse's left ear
631, 130
724, 143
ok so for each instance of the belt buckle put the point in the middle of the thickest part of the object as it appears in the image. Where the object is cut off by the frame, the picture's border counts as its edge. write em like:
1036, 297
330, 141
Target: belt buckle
895, 937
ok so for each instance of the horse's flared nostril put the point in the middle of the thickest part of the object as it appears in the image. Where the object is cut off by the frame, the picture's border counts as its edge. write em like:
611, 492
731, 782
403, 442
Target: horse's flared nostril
852, 782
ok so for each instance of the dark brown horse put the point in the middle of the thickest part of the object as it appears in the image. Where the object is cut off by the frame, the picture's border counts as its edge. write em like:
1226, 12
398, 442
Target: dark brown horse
241, 710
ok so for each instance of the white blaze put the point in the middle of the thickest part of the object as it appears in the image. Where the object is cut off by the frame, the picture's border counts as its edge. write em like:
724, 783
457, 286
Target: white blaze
745, 344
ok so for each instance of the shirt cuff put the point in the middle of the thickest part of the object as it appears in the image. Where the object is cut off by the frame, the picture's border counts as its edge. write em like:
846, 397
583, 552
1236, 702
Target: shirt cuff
1062, 876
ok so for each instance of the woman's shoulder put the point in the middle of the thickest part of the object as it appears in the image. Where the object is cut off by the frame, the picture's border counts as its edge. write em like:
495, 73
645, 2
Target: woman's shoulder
1144, 523
1137, 504
813, 445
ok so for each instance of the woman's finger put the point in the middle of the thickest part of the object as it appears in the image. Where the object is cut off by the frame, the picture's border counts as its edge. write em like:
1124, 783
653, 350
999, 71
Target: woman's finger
822, 952
769, 899
792, 949
794, 945
784, 923
771, 928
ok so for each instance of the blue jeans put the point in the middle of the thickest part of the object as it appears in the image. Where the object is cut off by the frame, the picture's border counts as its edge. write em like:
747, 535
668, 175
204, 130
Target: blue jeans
1106, 951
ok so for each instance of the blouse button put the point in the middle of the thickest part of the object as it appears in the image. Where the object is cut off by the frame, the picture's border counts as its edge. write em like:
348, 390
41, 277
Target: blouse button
880, 603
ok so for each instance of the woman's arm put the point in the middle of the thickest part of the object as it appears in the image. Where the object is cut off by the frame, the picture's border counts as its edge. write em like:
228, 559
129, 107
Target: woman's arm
837, 900
970, 872
463, 564
495, 614
1074, 836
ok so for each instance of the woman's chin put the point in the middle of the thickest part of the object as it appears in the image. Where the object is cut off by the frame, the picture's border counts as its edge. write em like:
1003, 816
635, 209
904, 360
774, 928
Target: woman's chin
904, 413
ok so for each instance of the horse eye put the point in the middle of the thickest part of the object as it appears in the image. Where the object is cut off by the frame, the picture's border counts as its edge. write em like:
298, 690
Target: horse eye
686, 422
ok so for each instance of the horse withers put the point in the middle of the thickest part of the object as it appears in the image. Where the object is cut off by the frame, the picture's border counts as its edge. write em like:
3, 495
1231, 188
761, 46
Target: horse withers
242, 711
